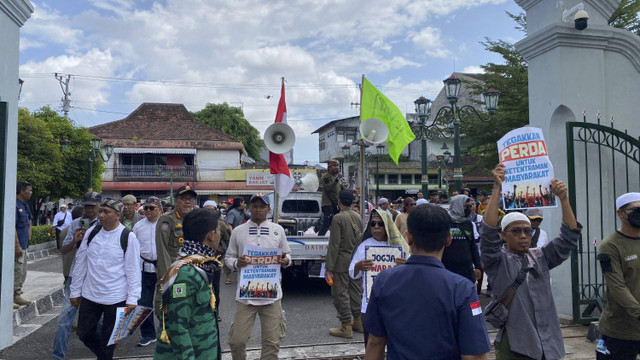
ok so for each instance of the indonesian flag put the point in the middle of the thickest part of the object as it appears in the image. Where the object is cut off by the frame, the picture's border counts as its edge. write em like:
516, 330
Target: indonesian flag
476, 309
278, 162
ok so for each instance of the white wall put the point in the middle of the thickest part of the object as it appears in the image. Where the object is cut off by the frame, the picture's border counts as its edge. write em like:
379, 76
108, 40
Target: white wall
212, 163
13, 14
570, 71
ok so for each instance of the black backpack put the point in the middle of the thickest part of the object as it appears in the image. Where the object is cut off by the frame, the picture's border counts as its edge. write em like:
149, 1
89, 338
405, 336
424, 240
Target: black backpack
124, 236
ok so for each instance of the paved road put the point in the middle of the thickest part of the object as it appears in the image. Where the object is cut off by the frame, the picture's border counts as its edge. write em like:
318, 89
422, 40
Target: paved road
307, 302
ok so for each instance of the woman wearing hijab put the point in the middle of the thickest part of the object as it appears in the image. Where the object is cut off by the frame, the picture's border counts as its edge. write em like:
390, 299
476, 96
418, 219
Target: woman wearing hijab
380, 230
462, 256
189, 328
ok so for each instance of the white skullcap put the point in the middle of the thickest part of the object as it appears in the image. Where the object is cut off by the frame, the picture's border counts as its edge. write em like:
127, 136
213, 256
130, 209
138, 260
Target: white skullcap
421, 201
514, 216
626, 199
210, 203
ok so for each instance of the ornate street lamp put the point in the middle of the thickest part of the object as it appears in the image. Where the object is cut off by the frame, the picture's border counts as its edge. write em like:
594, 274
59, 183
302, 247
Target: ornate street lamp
452, 87
96, 151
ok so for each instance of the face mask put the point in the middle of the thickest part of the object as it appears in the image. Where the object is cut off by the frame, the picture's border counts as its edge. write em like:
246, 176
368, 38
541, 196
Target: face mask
634, 219
467, 212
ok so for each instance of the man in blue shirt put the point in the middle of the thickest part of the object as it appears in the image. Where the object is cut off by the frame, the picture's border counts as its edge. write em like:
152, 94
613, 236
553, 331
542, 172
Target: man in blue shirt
420, 310
23, 235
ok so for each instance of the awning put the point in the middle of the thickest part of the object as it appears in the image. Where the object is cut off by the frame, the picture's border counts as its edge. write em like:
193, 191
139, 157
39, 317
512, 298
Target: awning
232, 192
153, 151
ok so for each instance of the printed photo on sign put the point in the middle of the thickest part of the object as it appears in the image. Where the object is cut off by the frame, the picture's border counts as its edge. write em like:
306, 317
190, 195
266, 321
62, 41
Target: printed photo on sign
127, 321
260, 279
528, 170
384, 257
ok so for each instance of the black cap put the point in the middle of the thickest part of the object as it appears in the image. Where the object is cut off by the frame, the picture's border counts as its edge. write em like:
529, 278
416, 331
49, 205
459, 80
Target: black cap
483, 193
345, 195
92, 198
184, 190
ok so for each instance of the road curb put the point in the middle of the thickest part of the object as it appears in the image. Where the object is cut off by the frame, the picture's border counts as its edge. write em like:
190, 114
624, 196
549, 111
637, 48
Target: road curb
39, 306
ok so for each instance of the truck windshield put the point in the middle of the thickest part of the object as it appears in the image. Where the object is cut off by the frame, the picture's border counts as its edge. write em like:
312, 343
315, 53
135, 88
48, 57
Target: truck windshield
300, 206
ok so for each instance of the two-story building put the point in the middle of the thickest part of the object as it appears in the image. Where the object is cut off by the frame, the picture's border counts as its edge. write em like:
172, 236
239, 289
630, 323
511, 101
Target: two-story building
160, 145
336, 140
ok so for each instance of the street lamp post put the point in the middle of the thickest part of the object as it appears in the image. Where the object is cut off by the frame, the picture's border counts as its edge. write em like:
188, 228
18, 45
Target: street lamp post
380, 150
452, 91
443, 160
425, 130
96, 151
346, 152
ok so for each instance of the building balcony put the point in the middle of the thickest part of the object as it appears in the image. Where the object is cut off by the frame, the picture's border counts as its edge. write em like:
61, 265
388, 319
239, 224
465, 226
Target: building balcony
155, 172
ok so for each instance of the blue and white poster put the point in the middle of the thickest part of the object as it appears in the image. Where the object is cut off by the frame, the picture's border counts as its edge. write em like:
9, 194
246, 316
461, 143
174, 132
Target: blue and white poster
529, 171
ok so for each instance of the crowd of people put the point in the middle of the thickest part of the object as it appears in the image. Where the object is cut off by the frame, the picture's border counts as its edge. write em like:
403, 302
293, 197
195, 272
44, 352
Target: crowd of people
426, 306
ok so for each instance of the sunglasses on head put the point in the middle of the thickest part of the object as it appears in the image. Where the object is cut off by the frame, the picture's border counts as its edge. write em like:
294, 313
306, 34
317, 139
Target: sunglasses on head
373, 223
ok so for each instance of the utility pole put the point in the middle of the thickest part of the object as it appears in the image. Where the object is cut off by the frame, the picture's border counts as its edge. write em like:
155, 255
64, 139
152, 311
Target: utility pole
64, 85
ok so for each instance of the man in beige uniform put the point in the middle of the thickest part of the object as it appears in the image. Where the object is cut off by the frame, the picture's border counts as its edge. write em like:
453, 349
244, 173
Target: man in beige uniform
169, 237
332, 183
346, 228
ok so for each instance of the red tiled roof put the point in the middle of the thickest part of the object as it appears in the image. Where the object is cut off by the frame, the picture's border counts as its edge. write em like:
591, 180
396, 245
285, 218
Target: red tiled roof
160, 121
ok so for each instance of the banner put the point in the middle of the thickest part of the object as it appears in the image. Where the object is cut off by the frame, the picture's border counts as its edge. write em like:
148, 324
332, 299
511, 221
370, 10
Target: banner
261, 278
384, 257
127, 321
529, 171
376, 105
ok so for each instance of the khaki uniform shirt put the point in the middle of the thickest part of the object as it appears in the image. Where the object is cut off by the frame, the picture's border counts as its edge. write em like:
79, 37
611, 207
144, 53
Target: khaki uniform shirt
331, 187
620, 261
346, 229
169, 239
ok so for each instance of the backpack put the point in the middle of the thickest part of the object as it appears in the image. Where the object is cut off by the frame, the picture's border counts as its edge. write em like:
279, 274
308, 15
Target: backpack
124, 236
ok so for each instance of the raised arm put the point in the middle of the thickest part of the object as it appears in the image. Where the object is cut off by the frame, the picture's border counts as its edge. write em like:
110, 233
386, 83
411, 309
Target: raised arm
560, 189
491, 213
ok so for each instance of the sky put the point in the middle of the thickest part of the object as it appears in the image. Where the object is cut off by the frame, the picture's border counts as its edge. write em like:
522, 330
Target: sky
121, 53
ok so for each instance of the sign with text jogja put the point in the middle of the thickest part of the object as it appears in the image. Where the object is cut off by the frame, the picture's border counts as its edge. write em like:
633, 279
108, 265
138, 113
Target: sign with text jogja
528, 170
259, 179
384, 257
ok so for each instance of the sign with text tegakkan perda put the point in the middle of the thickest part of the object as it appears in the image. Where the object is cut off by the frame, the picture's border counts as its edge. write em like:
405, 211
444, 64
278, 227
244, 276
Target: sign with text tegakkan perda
528, 170
260, 279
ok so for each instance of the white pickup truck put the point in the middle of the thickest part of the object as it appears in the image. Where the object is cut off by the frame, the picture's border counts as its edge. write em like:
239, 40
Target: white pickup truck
300, 211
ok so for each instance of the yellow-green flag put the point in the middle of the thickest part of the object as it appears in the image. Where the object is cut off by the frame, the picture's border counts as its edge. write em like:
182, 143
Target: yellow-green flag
376, 105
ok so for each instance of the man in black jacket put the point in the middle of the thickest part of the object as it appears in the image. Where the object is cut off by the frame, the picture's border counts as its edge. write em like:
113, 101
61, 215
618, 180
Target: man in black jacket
462, 256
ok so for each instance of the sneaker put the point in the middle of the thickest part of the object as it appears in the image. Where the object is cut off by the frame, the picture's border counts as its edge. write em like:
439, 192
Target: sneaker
20, 301
146, 341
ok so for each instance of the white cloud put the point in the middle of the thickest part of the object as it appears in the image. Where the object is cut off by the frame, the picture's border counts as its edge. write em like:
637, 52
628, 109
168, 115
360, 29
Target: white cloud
430, 39
473, 69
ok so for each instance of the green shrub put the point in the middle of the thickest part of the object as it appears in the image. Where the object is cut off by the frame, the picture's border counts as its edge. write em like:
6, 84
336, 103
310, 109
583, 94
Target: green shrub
41, 234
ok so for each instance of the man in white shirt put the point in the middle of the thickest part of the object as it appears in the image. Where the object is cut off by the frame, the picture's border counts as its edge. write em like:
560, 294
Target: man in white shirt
145, 231
258, 231
61, 220
106, 275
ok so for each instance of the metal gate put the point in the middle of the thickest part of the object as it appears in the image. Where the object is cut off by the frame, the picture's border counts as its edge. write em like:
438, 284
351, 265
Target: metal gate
603, 164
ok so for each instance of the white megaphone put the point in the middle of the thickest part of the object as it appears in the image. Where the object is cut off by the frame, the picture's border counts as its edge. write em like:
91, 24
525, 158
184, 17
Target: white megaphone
373, 131
279, 138
309, 182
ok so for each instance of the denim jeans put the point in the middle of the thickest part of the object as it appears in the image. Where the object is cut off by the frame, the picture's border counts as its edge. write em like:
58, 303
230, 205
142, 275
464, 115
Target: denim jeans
65, 323
147, 328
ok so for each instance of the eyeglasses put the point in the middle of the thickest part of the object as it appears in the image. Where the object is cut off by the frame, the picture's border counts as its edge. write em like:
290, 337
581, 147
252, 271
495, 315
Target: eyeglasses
517, 231
373, 223
150, 208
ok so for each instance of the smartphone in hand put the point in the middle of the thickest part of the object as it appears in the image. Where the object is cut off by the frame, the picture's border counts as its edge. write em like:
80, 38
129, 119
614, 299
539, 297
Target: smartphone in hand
85, 224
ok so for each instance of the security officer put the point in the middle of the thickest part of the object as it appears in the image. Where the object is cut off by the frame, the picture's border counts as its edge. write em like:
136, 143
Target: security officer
346, 229
169, 236
332, 183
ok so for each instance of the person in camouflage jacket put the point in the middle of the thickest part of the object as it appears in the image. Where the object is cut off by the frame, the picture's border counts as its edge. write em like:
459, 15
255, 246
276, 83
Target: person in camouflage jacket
189, 329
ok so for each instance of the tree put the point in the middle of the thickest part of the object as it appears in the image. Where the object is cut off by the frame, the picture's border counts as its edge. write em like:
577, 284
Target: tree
511, 79
230, 120
54, 173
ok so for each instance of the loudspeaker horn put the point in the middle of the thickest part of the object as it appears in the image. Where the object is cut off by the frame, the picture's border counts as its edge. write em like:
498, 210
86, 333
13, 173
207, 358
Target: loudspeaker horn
373, 131
309, 182
279, 138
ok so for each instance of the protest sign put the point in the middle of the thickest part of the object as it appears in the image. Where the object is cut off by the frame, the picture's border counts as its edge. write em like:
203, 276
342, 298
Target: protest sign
384, 257
127, 321
528, 170
260, 279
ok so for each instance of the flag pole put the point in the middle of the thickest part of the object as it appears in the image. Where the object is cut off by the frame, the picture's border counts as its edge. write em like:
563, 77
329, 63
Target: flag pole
362, 171
276, 197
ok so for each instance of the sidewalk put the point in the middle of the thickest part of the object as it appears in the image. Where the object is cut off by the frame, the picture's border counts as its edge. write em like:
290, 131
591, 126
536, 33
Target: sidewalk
44, 286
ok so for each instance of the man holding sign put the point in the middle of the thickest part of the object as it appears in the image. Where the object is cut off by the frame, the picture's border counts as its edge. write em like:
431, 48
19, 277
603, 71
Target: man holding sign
257, 232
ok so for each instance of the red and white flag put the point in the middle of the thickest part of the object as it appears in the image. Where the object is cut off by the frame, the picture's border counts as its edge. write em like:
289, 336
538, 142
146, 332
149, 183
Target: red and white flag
476, 309
284, 182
